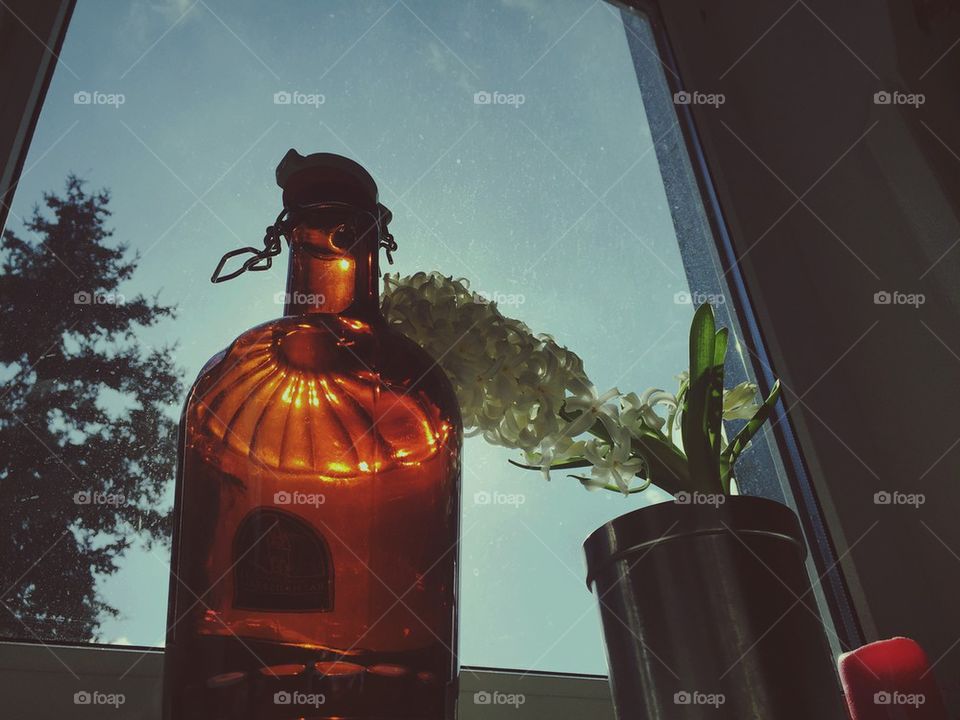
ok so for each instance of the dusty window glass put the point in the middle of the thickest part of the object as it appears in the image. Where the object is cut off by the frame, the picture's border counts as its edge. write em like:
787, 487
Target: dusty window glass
513, 142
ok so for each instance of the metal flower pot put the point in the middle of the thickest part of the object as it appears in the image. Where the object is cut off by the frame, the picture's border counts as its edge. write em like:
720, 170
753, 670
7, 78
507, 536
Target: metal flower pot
707, 612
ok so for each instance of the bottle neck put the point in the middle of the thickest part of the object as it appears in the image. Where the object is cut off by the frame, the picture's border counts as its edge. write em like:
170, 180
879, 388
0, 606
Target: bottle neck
333, 269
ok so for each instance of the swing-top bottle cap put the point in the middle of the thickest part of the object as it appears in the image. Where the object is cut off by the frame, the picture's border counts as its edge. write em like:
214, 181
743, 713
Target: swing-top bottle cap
324, 176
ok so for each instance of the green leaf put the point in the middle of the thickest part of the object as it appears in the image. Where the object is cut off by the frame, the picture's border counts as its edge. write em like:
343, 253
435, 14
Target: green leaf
726, 473
667, 467
609, 486
704, 461
715, 397
739, 443
720, 346
566, 465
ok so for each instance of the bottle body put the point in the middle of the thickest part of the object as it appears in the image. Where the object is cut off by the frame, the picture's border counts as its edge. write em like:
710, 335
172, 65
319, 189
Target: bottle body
316, 547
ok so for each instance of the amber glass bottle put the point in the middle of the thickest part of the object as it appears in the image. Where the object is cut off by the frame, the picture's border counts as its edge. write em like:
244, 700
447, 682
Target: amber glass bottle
315, 550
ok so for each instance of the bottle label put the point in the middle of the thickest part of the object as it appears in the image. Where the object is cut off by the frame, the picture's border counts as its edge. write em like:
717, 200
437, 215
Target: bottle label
282, 564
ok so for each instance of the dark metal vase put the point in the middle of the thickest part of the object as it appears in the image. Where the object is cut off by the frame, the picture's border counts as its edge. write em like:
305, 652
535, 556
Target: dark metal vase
707, 612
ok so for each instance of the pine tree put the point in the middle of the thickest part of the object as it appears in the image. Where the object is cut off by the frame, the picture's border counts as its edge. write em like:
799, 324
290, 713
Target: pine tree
87, 437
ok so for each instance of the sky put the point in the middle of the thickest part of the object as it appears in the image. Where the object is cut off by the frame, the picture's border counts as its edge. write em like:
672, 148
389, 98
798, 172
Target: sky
549, 196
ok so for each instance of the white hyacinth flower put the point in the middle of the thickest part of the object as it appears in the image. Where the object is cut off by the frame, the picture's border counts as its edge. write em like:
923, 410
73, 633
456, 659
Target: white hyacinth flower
510, 383
524, 391
739, 402
638, 412
613, 463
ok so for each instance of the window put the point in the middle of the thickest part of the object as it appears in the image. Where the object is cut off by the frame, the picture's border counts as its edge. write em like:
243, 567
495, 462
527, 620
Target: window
530, 146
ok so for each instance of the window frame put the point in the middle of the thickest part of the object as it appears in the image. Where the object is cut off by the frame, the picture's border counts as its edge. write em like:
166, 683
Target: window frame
28, 669
25, 92
809, 509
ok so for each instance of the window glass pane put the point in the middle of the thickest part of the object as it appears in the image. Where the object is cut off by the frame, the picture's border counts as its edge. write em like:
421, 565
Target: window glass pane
515, 147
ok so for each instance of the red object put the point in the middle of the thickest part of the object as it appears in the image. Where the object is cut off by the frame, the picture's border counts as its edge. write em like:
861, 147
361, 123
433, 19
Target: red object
890, 679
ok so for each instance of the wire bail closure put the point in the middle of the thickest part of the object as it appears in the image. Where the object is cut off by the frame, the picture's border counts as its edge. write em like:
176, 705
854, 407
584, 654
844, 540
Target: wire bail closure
262, 258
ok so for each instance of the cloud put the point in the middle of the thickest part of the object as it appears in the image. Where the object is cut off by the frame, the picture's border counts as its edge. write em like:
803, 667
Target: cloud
146, 21
533, 7
440, 61
172, 9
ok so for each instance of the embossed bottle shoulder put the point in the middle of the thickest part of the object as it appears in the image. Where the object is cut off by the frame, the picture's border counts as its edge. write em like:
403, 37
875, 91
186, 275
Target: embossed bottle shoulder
332, 398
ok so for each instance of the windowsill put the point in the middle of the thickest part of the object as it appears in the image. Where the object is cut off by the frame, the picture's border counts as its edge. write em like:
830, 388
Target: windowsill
38, 681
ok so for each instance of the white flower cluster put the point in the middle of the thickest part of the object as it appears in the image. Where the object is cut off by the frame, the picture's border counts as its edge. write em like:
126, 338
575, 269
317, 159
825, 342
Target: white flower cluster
511, 384
524, 391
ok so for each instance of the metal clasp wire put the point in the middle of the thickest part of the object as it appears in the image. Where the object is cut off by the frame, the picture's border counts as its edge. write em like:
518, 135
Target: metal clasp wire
262, 258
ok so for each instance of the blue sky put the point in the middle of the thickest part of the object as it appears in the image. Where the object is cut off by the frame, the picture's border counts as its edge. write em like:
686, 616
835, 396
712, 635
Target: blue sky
557, 201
